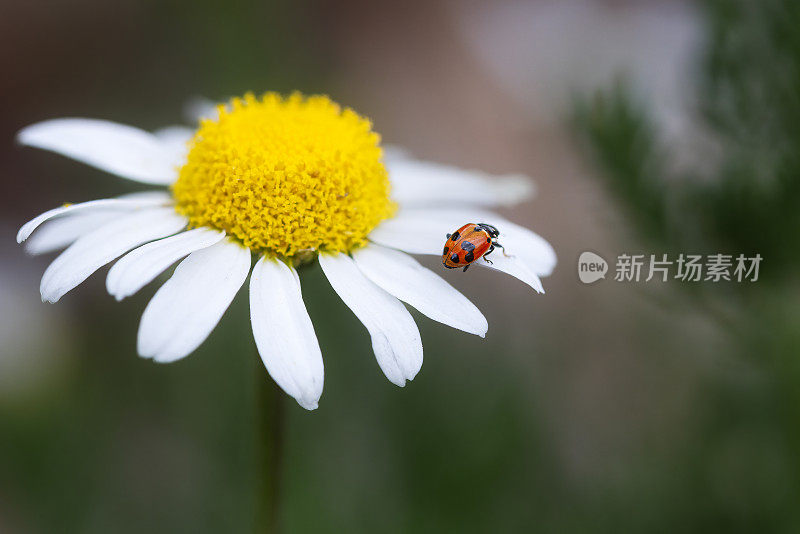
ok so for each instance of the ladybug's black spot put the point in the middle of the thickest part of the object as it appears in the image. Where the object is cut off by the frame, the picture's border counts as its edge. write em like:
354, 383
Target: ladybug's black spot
454, 258
454, 236
468, 246
470, 257
446, 250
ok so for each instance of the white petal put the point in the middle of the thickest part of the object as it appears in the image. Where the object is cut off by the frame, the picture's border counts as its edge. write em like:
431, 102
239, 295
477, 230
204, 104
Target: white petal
116, 148
140, 266
529, 256
199, 108
176, 138
402, 276
512, 265
392, 153
284, 333
424, 231
63, 231
422, 183
528, 248
132, 201
155, 196
395, 337
185, 310
105, 244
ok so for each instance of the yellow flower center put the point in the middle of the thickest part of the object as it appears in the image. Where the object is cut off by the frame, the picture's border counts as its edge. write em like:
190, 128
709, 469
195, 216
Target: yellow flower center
286, 176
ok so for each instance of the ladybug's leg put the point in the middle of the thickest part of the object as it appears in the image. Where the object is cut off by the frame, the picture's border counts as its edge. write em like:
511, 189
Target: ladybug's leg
487, 260
448, 236
467, 267
495, 244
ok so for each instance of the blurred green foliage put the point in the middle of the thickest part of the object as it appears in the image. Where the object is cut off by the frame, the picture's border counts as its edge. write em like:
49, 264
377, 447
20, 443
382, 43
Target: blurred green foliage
742, 193
738, 192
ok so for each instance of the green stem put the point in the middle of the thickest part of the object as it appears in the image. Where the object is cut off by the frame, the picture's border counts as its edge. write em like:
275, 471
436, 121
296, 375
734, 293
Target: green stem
269, 451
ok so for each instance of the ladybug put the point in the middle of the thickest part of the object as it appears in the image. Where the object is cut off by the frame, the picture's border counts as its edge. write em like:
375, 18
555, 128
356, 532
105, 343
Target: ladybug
468, 243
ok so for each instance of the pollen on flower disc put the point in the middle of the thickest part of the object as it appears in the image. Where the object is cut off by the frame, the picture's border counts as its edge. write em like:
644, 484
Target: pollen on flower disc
286, 176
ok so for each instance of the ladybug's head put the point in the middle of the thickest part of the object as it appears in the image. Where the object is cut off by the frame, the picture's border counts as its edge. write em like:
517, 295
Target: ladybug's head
489, 229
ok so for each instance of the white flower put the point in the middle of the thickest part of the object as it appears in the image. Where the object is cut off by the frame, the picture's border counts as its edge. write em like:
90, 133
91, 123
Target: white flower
286, 180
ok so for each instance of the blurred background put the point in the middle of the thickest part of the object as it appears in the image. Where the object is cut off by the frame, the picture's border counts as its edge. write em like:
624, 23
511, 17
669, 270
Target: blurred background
650, 126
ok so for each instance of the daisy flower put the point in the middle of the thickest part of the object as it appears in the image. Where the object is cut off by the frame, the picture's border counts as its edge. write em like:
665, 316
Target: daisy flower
278, 182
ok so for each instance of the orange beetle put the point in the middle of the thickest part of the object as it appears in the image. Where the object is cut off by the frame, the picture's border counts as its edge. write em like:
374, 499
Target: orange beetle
468, 243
